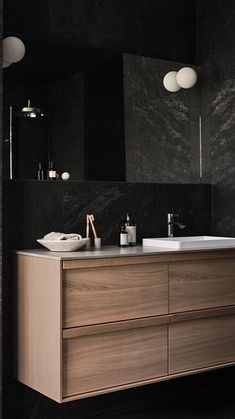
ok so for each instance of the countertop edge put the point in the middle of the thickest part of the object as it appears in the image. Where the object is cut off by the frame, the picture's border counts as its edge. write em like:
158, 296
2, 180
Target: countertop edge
115, 252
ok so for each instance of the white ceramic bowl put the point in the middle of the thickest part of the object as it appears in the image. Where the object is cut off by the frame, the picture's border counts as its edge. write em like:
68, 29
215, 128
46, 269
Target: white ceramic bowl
63, 245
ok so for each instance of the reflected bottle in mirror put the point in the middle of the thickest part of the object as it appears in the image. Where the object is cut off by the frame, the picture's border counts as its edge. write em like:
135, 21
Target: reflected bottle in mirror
40, 172
51, 173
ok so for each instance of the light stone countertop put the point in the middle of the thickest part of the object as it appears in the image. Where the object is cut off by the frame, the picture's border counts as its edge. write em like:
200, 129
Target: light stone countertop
113, 251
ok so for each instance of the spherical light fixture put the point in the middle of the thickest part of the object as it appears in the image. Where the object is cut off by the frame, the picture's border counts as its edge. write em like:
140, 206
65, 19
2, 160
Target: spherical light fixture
186, 77
5, 64
13, 49
170, 82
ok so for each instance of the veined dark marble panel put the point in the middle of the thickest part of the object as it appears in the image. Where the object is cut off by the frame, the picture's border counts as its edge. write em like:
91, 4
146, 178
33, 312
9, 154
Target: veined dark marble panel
223, 131
224, 210
216, 30
161, 140
1, 153
149, 205
57, 205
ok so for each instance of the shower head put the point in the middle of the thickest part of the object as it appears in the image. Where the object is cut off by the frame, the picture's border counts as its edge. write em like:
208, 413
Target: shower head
30, 112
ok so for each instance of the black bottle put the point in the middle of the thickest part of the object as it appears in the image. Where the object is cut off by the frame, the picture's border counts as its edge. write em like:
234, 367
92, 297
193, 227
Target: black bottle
51, 173
123, 236
131, 229
40, 172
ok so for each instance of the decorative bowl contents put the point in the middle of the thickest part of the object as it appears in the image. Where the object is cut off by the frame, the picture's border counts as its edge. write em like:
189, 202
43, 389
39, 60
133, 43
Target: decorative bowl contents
61, 242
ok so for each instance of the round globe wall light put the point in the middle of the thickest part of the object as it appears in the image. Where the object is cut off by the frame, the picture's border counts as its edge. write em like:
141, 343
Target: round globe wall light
5, 64
170, 82
186, 77
13, 50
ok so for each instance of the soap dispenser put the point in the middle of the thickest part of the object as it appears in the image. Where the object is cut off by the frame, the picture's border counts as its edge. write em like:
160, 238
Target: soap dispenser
123, 236
131, 229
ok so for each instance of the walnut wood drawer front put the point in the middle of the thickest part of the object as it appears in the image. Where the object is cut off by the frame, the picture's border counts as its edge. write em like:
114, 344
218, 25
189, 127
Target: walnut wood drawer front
202, 284
111, 359
201, 343
107, 294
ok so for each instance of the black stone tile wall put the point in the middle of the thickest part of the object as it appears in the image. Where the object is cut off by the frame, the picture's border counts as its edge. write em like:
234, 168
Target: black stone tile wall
162, 128
216, 52
134, 26
1, 217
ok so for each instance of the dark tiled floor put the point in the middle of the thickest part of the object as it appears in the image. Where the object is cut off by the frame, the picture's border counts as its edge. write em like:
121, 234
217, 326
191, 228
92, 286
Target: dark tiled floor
209, 405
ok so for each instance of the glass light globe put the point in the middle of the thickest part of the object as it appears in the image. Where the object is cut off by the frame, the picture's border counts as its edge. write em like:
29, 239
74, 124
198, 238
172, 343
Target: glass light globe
170, 82
186, 77
13, 49
5, 64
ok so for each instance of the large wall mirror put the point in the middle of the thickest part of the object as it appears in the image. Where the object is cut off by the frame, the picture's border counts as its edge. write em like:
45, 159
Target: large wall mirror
106, 116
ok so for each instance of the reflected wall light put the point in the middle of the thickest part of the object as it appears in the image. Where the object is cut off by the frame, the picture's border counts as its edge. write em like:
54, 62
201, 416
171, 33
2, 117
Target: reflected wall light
185, 78
13, 50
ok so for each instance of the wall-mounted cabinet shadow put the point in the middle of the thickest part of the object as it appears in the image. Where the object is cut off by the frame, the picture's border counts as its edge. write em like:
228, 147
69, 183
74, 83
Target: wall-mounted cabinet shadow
107, 116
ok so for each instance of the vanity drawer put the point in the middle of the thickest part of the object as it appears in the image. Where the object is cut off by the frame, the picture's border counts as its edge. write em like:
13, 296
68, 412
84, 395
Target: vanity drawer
106, 360
202, 284
106, 294
201, 343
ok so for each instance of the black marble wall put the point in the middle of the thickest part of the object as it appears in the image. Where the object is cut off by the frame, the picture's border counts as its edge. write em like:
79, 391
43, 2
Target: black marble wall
135, 26
162, 128
217, 54
162, 29
40, 207
32, 209
1, 216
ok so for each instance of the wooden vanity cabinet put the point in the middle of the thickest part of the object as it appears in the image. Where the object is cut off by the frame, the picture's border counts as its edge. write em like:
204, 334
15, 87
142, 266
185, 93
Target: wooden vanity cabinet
87, 327
91, 326
201, 284
105, 294
114, 358
200, 342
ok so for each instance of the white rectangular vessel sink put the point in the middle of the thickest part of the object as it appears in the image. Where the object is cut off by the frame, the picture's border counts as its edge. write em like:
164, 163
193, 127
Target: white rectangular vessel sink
194, 242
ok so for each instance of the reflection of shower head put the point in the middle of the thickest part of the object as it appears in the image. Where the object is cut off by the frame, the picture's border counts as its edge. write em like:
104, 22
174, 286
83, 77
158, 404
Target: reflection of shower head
30, 112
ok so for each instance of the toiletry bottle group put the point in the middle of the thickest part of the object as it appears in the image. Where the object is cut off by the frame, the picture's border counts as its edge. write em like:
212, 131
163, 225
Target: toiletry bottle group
51, 172
128, 232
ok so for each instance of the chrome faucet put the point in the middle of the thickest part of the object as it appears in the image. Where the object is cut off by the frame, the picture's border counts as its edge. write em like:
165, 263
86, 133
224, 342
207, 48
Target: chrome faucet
171, 222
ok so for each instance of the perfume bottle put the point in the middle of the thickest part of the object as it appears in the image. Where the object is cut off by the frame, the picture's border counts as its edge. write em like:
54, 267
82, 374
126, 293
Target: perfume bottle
40, 172
123, 236
131, 229
51, 171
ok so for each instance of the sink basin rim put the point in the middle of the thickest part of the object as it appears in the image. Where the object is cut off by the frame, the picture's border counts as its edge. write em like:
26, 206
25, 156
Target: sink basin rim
190, 242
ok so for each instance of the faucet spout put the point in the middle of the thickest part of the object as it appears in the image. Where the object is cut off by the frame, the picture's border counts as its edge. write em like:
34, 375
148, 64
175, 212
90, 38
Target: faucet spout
172, 221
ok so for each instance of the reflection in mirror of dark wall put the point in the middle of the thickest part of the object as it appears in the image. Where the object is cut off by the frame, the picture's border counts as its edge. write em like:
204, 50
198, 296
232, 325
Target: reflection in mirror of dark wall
29, 134
53, 75
104, 122
66, 124
92, 132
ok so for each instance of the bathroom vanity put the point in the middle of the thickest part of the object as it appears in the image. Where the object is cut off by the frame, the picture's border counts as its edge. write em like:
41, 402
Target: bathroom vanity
89, 323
